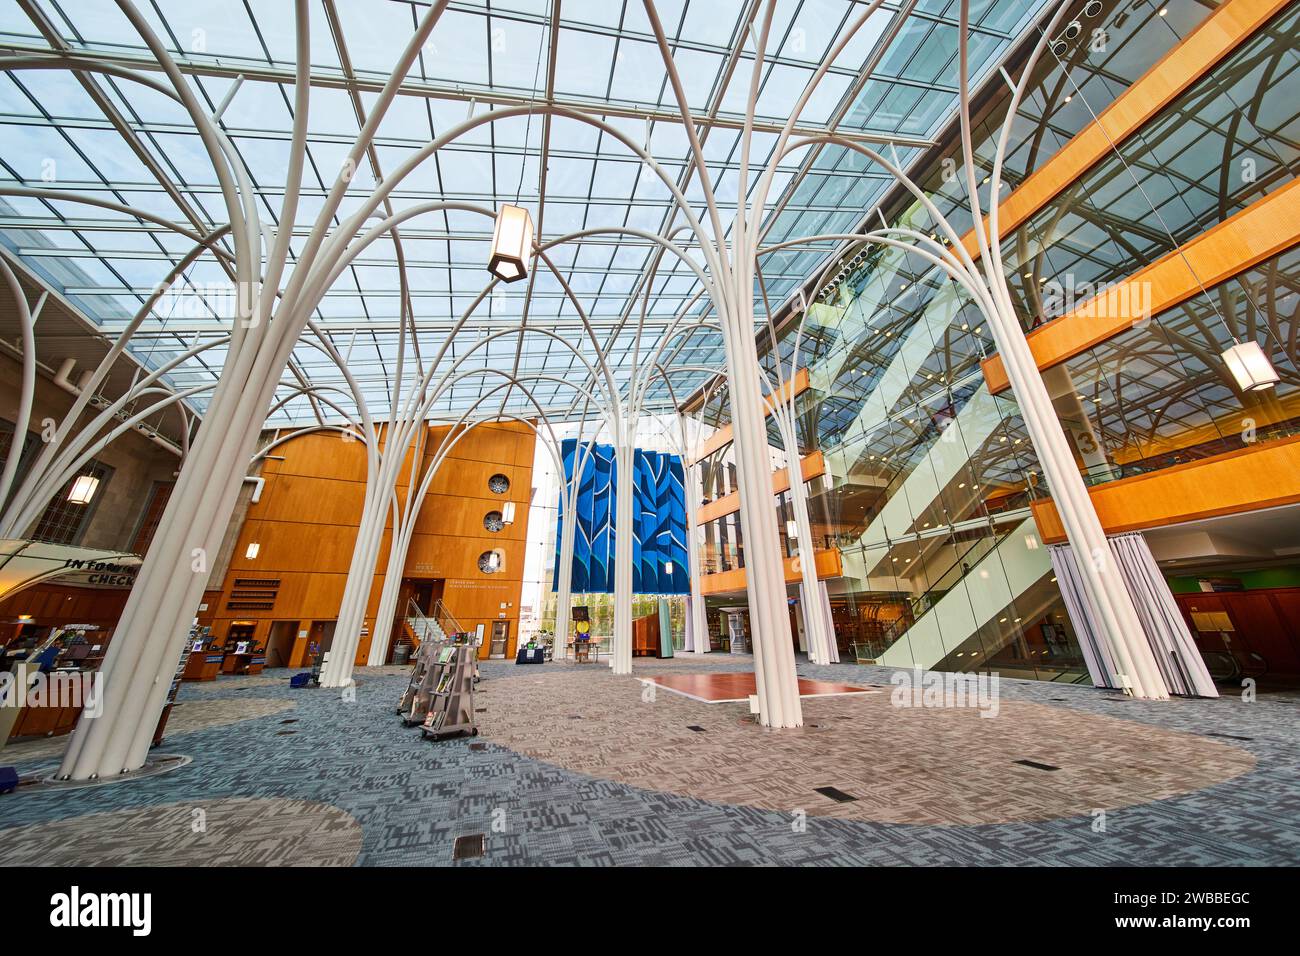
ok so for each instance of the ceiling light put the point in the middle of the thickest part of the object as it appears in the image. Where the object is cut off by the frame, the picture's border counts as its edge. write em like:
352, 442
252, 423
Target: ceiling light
508, 513
512, 243
252, 551
1250, 366
668, 567
83, 489
791, 529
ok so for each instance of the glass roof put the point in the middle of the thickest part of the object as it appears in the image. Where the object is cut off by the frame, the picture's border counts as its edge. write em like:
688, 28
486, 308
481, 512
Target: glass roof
895, 82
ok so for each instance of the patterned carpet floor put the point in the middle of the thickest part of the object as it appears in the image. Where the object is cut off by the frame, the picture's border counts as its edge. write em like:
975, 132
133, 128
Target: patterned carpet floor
576, 766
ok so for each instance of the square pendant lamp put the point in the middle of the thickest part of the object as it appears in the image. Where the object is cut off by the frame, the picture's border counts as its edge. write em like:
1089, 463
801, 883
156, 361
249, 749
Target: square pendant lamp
512, 243
1250, 366
83, 489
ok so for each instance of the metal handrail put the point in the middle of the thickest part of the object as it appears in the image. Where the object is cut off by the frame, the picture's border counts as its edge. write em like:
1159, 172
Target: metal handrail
427, 624
442, 613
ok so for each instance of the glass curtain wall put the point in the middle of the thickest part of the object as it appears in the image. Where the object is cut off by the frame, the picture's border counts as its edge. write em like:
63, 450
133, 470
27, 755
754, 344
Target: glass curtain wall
931, 475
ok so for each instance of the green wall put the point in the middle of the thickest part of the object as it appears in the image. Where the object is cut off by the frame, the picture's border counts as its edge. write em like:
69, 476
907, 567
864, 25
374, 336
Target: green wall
1285, 577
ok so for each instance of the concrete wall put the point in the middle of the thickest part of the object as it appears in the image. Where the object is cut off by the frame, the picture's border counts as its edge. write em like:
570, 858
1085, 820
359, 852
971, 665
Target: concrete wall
136, 461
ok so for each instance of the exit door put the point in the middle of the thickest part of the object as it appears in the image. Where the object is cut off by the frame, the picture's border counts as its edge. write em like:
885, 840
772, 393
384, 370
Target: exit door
500, 638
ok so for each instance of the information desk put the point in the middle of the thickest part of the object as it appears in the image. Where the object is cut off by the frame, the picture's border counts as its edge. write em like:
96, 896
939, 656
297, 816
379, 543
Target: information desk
531, 655
243, 664
46, 721
202, 665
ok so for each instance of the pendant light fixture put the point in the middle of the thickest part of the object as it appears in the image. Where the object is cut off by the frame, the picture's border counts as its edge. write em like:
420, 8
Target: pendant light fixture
83, 489
512, 243
1250, 366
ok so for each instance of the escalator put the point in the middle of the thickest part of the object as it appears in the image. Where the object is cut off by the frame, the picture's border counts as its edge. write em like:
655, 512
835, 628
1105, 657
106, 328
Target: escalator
974, 598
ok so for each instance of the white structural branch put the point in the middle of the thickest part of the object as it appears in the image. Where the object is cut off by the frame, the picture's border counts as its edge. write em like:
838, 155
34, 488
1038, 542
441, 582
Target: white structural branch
274, 304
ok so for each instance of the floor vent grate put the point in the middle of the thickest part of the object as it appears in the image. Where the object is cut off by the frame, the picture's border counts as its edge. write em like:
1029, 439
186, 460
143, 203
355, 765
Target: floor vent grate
1036, 765
839, 796
468, 847
695, 727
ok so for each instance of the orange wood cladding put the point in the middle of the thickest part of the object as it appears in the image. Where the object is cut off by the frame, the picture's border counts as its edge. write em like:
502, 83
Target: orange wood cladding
723, 436
812, 466
306, 522
830, 564
1217, 36
1249, 479
1262, 408
1265, 228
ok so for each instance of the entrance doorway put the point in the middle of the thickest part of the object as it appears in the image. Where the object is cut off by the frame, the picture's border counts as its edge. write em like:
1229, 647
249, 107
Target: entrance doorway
279, 643
320, 639
500, 640
425, 592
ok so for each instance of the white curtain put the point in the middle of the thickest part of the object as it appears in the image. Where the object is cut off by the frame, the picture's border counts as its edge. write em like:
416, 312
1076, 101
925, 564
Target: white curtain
1101, 666
1180, 662
825, 596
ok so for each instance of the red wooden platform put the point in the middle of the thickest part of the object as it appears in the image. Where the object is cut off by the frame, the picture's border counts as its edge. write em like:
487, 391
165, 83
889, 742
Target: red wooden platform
732, 686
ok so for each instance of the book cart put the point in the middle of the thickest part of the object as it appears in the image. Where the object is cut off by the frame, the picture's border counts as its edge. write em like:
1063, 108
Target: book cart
451, 702
415, 699
430, 662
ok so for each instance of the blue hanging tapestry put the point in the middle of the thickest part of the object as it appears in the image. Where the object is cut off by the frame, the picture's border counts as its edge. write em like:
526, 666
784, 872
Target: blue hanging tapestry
659, 556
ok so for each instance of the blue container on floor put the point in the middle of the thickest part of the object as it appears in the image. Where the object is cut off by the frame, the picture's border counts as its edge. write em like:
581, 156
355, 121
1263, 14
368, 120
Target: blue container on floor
300, 680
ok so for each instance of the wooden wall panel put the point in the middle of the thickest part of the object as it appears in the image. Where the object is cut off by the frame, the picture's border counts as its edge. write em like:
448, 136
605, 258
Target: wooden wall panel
1267, 227
812, 466
1251, 479
298, 498
306, 524
830, 564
